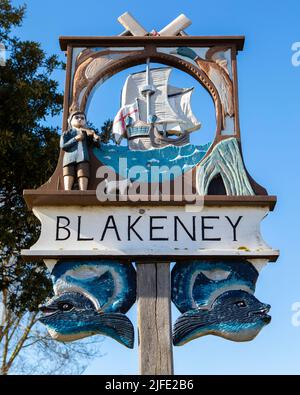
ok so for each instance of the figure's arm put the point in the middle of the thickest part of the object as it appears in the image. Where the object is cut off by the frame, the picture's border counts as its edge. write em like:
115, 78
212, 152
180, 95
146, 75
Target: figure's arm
66, 143
93, 136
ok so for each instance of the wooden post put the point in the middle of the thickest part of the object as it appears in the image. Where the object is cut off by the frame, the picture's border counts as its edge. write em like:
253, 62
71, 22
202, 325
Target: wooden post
154, 318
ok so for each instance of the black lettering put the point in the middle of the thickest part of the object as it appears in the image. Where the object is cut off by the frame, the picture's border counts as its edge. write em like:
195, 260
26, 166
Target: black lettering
58, 227
79, 238
192, 236
156, 227
131, 227
203, 226
234, 225
113, 226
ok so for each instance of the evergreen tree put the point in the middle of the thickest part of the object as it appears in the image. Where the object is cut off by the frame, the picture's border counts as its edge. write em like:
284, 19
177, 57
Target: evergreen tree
28, 156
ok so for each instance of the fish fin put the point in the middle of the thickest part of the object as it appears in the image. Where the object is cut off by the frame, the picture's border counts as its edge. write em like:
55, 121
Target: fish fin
119, 327
187, 324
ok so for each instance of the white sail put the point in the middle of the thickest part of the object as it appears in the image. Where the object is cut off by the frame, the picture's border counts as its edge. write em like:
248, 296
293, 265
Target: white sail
119, 122
180, 101
160, 106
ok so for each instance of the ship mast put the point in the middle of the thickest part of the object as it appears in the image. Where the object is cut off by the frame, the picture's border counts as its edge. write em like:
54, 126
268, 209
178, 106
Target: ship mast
147, 91
165, 109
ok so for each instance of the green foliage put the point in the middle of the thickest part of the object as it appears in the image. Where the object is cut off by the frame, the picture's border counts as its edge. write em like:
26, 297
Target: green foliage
106, 131
9, 17
30, 285
29, 151
28, 156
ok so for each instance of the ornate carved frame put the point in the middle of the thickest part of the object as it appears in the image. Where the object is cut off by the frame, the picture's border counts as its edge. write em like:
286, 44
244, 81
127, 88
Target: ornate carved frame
151, 46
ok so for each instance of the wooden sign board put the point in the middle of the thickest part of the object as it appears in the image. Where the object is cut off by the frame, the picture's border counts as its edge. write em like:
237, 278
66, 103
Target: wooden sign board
128, 231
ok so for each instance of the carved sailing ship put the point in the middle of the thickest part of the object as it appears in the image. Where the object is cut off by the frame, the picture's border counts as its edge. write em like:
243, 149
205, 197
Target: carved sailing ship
154, 113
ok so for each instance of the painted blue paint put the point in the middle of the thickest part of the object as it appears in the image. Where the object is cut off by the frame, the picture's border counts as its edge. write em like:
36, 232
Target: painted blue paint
186, 52
234, 315
72, 316
197, 283
216, 297
110, 283
91, 298
102, 287
184, 157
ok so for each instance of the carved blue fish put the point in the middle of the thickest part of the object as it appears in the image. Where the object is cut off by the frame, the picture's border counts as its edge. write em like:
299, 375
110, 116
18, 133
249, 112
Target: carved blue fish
91, 297
71, 316
216, 297
234, 315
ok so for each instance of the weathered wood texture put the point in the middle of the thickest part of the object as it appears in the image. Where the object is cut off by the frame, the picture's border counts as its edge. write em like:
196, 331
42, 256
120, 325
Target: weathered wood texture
154, 318
37, 197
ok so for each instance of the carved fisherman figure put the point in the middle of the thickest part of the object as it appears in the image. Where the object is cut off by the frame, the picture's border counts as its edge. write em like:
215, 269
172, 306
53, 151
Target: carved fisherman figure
75, 142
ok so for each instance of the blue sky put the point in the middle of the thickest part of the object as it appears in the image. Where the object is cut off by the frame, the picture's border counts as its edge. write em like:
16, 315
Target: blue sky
269, 98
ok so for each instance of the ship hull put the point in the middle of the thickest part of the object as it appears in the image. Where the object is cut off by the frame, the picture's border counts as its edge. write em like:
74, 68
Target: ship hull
153, 139
140, 144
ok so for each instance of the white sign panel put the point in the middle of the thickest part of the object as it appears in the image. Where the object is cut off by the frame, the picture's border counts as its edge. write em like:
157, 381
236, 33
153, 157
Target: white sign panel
150, 231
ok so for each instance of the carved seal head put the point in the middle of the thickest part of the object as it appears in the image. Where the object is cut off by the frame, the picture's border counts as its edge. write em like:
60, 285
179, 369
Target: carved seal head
72, 316
234, 315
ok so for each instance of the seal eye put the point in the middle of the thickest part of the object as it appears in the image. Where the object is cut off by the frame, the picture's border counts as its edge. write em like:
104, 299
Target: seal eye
65, 306
240, 303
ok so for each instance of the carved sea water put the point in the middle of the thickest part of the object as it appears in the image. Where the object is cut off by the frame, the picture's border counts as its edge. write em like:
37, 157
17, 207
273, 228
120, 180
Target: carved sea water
183, 158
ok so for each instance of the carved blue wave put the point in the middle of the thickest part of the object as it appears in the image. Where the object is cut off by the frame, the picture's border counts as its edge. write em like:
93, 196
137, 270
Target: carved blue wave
118, 281
190, 286
184, 157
